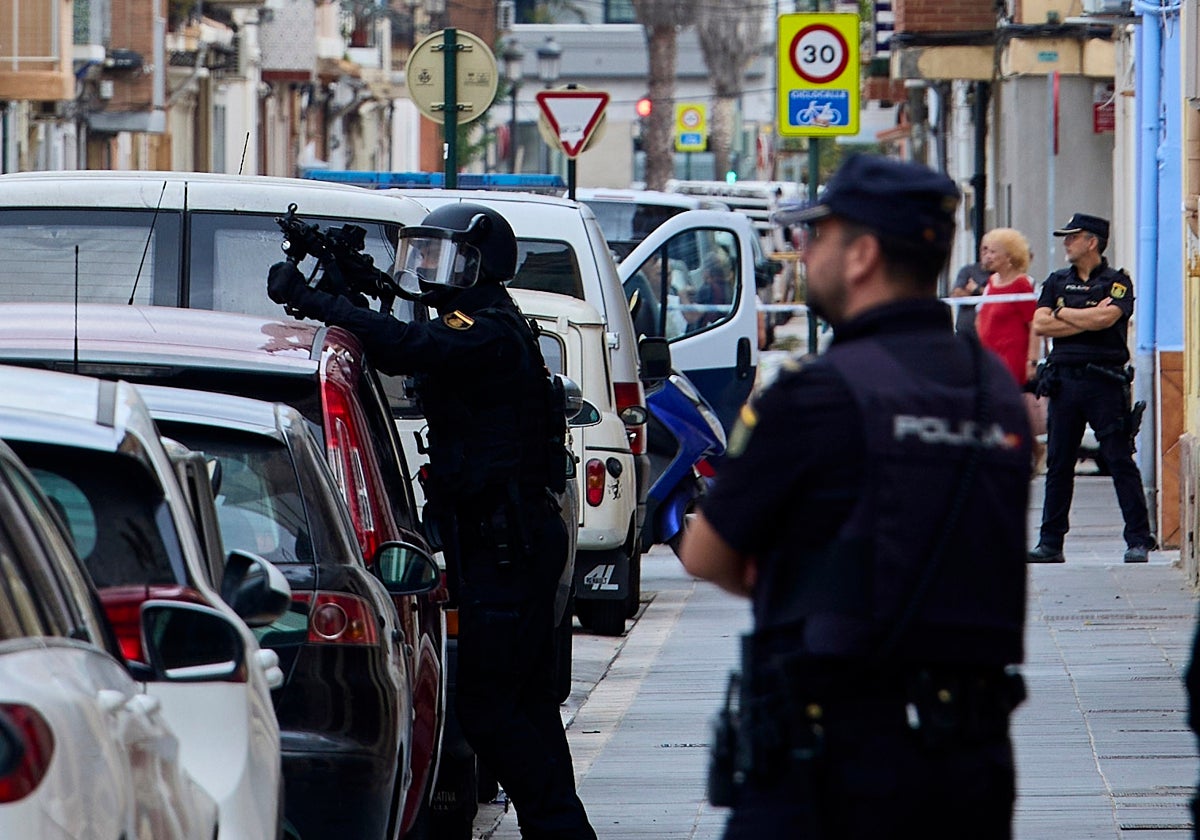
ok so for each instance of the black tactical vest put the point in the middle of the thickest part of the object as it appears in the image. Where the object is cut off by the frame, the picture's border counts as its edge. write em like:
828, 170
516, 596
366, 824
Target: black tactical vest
489, 435
846, 596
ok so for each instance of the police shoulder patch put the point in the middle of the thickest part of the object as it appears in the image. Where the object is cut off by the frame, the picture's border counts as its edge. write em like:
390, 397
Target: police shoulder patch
742, 430
1118, 290
458, 320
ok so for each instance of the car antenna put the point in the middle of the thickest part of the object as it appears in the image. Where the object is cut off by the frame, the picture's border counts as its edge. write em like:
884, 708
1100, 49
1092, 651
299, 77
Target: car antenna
245, 146
75, 354
149, 236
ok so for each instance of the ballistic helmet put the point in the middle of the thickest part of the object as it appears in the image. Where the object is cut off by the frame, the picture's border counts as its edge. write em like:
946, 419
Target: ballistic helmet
454, 247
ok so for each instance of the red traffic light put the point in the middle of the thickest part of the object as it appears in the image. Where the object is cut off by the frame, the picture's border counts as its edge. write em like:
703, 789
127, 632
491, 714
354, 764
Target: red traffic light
644, 106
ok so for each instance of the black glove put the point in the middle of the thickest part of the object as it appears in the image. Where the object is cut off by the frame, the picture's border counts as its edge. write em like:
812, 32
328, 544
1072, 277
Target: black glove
284, 281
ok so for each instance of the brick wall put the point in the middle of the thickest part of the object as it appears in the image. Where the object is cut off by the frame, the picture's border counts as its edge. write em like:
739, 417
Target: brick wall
943, 16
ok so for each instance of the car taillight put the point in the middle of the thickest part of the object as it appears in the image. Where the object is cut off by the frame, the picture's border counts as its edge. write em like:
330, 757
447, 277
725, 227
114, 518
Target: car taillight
346, 457
123, 606
594, 482
705, 468
335, 618
35, 760
629, 396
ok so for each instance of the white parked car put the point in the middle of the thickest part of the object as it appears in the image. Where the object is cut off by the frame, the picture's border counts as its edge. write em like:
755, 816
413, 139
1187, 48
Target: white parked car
572, 342
96, 452
83, 752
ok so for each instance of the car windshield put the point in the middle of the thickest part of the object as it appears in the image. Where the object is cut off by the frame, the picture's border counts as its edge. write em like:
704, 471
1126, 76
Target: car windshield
114, 510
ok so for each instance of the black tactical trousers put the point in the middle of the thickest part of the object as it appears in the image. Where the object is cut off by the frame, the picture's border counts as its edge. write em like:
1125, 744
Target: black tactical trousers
1087, 397
875, 780
506, 701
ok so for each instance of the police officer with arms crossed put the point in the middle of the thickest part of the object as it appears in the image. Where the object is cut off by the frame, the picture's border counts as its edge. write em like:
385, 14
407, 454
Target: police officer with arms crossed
494, 456
872, 506
1085, 308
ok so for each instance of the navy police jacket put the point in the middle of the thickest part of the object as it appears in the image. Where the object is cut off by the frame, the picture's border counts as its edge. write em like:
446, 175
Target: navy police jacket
841, 479
1108, 346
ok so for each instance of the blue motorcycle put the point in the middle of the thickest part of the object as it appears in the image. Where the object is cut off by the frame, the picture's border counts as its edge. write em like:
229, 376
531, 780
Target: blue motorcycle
684, 440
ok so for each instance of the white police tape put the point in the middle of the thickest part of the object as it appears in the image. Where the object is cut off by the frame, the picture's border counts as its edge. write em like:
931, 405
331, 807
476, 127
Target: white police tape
954, 302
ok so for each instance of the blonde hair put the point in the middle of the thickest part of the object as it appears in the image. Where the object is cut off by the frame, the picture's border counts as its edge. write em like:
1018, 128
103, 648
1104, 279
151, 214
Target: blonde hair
1013, 243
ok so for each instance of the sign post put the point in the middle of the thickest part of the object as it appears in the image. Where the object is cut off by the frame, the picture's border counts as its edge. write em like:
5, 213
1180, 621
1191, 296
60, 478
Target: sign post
691, 130
573, 116
451, 78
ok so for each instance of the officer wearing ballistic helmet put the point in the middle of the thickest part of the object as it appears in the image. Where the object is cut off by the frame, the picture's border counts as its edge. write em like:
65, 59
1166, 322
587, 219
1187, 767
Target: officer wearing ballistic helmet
493, 460
872, 507
1085, 308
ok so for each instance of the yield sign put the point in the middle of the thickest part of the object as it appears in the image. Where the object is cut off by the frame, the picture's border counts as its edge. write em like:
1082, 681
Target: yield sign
573, 115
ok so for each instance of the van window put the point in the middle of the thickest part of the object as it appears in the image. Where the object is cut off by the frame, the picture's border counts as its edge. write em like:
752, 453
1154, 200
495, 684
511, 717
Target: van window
552, 352
626, 223
547, 266
122, 254
229, 254
699, 281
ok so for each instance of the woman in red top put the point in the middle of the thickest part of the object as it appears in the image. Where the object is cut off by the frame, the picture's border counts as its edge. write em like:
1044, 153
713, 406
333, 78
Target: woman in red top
1006, 328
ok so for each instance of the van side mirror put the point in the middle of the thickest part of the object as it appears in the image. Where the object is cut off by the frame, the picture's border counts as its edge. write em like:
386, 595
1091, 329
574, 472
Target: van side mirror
654, 352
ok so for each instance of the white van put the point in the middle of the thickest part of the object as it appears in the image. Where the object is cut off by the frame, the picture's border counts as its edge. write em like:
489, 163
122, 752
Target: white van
561, 249
716, 346
170, 238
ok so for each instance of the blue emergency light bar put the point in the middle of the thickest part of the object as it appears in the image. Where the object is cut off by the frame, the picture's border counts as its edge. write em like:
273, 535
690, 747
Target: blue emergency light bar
524, 182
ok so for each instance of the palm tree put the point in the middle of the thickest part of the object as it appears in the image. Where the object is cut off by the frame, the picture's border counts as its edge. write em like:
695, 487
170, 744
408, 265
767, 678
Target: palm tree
661, 19
730, 37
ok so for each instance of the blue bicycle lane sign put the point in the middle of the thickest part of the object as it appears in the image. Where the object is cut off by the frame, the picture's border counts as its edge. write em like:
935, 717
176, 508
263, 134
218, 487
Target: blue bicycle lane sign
819, 108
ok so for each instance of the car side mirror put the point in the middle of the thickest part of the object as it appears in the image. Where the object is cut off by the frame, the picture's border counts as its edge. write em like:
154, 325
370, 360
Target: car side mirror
655, 355
573, 394
406, 569
256, 590
588, 415
187, 642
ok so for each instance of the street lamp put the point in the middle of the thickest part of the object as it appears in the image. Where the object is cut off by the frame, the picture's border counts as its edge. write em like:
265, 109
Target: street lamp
513, 58
549, 56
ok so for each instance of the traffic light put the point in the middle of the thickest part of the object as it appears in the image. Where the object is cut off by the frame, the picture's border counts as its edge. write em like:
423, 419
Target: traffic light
644, 107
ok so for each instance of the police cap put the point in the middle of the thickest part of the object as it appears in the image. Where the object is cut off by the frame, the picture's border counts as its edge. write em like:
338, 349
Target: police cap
906, 202
1083, 223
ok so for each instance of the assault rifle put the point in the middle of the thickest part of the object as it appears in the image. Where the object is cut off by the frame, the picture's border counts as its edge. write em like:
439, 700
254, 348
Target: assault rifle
346, 268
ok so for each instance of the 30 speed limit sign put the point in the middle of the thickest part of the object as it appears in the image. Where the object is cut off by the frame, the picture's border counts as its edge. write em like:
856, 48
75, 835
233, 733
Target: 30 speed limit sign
819, 53
818, 74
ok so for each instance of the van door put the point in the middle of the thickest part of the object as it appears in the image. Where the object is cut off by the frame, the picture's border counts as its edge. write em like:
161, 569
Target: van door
694, 282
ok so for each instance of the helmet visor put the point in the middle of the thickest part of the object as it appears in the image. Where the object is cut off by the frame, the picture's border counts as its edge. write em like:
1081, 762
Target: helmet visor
434, 256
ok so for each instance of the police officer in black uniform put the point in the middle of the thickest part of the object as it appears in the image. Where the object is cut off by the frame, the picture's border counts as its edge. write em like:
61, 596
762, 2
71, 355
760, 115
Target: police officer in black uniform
872, 506
1085, 308
494, 456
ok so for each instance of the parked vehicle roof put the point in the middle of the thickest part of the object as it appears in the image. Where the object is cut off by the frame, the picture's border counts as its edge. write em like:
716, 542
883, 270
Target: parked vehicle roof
157, 335
97, 188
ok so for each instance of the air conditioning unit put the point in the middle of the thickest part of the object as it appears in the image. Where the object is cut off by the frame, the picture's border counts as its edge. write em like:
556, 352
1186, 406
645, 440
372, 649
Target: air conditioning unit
1107, 7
